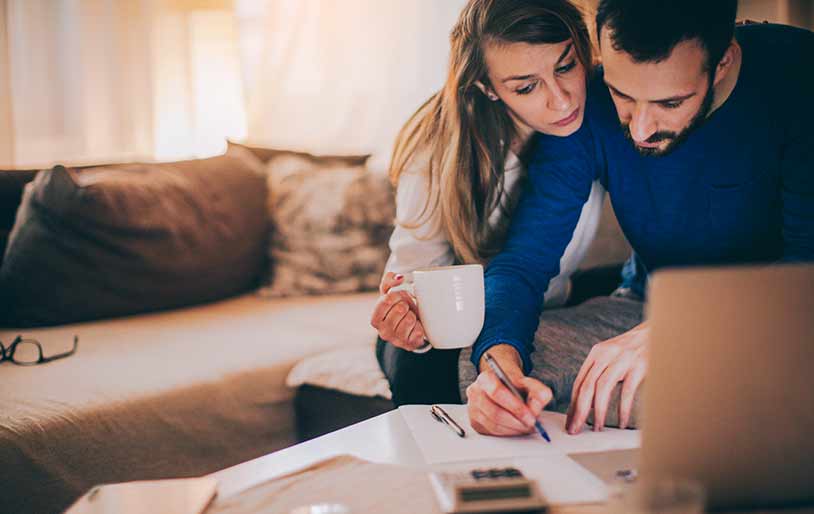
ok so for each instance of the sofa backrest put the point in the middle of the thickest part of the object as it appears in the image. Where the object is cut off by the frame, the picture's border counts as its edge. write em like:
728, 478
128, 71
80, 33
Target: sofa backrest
12, 182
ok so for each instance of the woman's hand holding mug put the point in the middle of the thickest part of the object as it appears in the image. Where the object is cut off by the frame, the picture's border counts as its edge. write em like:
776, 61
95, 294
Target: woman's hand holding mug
439, 308
396, 315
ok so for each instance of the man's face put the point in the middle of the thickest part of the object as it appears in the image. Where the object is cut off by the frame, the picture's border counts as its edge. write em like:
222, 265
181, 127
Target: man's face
658, 104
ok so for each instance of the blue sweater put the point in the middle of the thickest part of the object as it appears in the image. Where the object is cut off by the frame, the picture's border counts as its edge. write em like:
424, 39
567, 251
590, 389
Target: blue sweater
739, 189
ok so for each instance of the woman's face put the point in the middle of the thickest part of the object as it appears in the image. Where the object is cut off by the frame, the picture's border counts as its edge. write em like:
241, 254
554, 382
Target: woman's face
542, 85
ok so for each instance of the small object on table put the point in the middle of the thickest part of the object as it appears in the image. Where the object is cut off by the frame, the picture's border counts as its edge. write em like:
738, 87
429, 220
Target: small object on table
627, 475
486, 490
657, 496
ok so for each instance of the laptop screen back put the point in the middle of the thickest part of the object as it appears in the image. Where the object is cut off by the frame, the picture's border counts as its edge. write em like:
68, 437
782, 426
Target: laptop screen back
729, 396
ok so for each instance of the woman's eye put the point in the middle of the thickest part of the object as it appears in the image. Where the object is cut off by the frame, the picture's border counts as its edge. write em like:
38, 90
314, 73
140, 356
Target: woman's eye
566, 68
526, 89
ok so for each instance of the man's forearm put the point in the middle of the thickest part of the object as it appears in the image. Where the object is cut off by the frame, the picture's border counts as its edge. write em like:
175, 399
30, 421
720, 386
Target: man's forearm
512, 313
543, 224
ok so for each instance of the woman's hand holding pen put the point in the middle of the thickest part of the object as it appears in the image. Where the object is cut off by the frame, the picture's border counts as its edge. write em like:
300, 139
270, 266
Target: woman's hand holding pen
493, 409
395, 316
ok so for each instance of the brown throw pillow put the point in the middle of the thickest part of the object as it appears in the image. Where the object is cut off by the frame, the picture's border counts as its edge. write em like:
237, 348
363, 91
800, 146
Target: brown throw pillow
331, 223
125, 239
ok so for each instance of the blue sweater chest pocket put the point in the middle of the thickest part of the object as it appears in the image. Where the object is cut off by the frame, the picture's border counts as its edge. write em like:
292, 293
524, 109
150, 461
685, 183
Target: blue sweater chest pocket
740, 215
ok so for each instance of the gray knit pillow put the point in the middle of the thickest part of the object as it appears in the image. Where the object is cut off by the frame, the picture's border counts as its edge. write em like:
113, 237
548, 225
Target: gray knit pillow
330, 225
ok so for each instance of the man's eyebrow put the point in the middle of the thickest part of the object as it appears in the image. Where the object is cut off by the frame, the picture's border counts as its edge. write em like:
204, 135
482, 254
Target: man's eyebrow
619, 93
679, 98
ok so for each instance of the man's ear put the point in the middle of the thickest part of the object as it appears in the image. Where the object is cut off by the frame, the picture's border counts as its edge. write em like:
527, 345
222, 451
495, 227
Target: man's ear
487, 91
726, 62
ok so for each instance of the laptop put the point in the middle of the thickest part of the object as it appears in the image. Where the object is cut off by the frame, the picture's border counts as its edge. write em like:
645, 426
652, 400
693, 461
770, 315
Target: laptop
729, 395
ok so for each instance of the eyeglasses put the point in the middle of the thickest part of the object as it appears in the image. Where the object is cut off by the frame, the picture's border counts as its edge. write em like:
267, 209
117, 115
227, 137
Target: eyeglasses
28, 352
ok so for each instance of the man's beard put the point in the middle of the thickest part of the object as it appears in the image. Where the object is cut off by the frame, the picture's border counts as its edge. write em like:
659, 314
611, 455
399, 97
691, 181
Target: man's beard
675, 138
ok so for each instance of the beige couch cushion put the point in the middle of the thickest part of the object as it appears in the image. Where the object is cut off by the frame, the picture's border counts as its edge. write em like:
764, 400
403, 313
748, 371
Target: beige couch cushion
178, 393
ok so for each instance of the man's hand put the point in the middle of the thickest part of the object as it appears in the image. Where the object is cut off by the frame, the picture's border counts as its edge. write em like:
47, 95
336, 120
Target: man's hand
395, 316
621, 359
493, 409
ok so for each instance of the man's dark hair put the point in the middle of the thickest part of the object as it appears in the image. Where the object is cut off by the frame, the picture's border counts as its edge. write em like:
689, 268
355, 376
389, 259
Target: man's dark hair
648, 30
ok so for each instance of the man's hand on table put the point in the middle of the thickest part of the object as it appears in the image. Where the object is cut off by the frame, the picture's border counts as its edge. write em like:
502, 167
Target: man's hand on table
493, 409
621, 359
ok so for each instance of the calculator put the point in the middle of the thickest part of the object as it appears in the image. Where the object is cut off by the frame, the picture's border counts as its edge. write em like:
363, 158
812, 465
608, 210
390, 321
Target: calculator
486, 490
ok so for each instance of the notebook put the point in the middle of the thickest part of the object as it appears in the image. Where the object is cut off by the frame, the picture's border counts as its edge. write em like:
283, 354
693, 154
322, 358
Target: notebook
176, 496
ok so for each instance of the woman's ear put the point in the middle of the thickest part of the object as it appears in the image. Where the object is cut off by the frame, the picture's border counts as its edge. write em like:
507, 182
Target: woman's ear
487, 91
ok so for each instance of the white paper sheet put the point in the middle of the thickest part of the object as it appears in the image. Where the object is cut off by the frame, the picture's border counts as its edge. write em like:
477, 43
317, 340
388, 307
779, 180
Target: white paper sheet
439, 444
562, 481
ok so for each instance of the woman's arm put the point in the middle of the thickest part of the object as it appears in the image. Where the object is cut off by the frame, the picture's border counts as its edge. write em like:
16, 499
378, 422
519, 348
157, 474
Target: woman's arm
425, 244
421, 243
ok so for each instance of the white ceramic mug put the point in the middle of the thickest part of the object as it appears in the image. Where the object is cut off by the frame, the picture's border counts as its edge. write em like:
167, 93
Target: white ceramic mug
451, 304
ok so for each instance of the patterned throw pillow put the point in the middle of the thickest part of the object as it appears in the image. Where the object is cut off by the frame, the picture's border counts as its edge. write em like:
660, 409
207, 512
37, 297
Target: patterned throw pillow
330, 225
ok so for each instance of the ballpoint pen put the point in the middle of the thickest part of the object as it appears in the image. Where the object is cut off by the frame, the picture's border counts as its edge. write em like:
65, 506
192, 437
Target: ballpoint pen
441, 415
501, 375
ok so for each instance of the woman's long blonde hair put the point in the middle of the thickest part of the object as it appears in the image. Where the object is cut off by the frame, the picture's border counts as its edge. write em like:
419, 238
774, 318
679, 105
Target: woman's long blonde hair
467, 136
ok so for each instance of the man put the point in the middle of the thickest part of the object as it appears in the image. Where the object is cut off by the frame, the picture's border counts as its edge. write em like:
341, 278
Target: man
701, 133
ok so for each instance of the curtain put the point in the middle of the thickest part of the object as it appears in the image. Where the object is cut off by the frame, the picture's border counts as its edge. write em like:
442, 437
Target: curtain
197, 80
72, 64
342, 77
116, 80
112, 80
6, 133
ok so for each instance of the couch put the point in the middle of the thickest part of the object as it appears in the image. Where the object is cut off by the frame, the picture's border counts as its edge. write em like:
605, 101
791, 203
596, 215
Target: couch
186, 391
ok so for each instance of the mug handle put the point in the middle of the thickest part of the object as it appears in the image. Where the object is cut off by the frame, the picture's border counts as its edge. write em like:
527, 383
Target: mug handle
408, 286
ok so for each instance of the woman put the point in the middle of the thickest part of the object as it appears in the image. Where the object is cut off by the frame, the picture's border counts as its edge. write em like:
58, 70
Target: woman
517, 67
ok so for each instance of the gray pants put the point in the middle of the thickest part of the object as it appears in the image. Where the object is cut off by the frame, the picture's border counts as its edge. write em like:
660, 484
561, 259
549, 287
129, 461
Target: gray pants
562, 342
